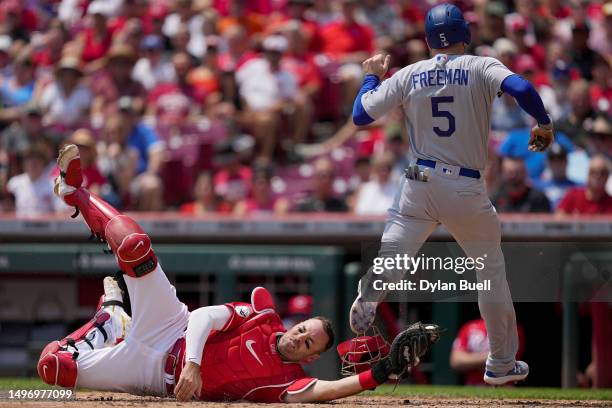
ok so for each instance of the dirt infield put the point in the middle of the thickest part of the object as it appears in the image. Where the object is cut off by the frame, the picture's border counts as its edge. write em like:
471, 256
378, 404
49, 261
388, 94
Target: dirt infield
118, 400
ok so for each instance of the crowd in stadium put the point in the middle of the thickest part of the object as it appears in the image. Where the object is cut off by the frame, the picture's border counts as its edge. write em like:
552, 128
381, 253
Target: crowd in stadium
244, 107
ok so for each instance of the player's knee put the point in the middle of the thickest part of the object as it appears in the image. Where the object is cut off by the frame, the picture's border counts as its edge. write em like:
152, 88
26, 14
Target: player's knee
131, 246
57, 368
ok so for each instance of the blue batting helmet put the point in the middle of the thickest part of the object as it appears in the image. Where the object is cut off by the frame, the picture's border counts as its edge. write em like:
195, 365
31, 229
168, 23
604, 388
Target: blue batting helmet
445, 26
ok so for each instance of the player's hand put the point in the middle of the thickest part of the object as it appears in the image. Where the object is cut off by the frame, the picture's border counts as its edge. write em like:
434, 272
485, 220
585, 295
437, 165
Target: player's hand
377, 65
541, 137
190, 382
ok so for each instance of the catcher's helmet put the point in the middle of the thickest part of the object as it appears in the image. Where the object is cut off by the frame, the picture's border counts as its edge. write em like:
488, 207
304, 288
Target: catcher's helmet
360, 353
445, 26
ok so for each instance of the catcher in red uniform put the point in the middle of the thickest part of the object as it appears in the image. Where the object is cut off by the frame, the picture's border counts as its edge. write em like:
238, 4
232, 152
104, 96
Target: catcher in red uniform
215, 353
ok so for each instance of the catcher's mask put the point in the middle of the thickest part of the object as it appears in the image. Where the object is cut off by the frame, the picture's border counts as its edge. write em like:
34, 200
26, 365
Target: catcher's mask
359, 354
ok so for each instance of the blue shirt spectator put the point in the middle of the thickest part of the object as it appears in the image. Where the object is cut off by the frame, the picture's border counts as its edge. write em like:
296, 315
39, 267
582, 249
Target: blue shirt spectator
144, 139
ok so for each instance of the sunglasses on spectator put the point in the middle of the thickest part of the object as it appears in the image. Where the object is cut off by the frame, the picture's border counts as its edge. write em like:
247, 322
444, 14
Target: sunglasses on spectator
599, 172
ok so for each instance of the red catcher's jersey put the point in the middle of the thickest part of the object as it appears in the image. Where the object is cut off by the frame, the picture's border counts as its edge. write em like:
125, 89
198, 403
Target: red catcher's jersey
240, 361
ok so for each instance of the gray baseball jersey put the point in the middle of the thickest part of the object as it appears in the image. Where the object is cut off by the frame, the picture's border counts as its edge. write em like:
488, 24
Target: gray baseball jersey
447, 104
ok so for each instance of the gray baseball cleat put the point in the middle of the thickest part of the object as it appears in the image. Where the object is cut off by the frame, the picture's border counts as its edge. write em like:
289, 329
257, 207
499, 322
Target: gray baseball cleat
519, 372
362, 314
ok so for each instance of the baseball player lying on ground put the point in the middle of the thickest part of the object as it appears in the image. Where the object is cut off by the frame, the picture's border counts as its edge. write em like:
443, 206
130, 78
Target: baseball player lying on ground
446, 101
216, 353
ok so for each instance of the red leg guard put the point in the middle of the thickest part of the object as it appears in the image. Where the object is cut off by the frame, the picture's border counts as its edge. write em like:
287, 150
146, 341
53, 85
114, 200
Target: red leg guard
58, 368
73, 175
126, 239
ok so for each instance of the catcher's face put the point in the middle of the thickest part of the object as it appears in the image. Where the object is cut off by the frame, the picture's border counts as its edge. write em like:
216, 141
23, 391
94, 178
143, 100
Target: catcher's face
304, 342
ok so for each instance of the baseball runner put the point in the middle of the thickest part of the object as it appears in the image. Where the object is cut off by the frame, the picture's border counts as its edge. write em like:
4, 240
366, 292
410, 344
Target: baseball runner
446, 102
215, 353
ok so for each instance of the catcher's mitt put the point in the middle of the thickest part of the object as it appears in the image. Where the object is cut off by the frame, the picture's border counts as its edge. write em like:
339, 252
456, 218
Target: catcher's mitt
406, 350
412, 344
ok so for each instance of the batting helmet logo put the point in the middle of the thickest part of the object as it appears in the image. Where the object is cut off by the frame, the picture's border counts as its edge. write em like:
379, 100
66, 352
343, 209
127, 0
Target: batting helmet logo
445, 26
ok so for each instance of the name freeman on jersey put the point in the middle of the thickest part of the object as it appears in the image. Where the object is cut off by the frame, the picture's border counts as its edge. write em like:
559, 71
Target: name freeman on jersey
437, 77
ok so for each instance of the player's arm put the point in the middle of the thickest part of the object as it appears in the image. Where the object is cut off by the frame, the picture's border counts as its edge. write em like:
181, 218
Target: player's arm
201, 322
407, 348
529, 100
375, 98
320, 390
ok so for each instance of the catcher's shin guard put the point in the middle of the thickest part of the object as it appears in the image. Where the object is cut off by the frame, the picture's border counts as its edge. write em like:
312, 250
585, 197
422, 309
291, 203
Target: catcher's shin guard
58, 368
124, 236
57, 364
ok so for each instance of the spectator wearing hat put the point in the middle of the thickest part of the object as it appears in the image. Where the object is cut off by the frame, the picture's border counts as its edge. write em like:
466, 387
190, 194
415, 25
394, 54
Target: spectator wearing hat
515, 194
323, 198
66, 101
376, 196
205, 200
593, 198
114, 82
493, 26
32, 190
130, 157
152, 68
262, 200
554, 182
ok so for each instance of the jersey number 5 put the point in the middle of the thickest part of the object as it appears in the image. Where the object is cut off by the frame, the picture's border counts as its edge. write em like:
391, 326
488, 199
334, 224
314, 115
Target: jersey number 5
437, 113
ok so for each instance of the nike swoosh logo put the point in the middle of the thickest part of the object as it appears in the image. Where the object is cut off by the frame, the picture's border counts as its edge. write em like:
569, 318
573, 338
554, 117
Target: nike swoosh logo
138, 245
249, 346
45, 371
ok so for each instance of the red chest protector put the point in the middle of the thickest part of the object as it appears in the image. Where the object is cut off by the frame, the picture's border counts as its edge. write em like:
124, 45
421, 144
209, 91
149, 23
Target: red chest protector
241, 362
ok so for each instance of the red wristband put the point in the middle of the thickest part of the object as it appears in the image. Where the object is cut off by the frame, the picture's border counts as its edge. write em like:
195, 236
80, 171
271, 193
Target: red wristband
366, 380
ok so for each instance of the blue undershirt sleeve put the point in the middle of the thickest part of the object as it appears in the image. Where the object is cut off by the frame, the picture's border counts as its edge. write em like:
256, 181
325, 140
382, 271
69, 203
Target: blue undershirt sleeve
360, 116
526, 96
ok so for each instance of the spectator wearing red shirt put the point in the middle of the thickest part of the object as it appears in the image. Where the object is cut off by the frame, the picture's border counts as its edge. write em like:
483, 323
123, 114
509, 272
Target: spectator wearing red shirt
300, 61
471, 349
349, 43
347, 39
593, 198
98, 37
